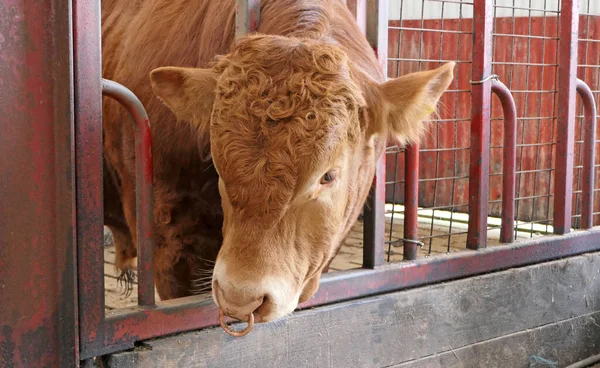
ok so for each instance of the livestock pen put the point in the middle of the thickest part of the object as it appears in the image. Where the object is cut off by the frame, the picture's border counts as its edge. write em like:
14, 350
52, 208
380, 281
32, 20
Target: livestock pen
477, 248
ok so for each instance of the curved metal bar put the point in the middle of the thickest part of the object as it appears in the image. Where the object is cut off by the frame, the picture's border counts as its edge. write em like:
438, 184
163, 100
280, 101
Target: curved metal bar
589, 153
509, 161
143, 187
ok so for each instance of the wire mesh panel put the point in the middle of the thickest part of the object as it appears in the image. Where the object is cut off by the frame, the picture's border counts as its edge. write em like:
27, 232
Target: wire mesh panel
525, 42
422, 35
589, 72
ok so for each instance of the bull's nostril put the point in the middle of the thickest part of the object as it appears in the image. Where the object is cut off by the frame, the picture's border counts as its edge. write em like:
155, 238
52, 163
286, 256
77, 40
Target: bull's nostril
260, 302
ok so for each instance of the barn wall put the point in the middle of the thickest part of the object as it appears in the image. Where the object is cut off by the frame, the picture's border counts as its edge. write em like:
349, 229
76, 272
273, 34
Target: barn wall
550, 311
527, 65
432, 9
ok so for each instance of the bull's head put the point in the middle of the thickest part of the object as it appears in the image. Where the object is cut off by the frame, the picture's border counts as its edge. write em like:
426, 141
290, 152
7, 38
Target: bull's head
295, 130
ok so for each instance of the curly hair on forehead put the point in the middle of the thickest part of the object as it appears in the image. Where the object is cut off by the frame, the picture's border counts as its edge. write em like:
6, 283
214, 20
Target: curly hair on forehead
282, 105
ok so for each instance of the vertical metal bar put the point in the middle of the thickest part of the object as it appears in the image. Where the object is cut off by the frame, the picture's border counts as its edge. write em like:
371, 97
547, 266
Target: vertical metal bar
509, 160
358, 8
247, 17
38, 285
411, 202
480, 124
589, 153
143, 187
88, 156
377, 30
565, 130
374, 212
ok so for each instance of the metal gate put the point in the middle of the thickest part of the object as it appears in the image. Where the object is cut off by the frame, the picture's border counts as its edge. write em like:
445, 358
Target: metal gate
56, 283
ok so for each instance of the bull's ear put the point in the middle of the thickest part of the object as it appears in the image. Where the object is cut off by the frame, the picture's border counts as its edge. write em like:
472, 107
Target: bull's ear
410, 99
188, 92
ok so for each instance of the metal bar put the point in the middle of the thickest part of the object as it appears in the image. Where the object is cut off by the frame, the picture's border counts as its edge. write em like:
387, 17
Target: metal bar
192, 313
480, 125
358, 9
143, 187
247, 17
411, 202
509, 161
589, 153
565, 131
38, 269
374, 211
88, 175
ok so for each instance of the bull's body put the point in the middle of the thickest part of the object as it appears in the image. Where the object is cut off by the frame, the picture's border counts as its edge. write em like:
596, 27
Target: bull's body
296, 117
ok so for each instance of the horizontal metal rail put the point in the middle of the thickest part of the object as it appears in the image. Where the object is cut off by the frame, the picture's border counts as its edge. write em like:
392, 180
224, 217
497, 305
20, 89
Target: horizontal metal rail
129, 325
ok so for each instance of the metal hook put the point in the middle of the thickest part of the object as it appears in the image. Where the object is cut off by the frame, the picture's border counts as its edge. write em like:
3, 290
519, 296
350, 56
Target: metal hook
491, 76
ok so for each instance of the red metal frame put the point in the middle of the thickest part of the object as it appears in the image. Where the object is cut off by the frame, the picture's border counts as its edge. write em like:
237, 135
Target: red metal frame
38, 274
143, 189
589, 153
57, 174
565, 130
480, 128
509, 174
411, 203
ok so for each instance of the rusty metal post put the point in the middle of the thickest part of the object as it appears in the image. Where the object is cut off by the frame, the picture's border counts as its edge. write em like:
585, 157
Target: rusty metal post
374, 212
411, 202
589, 153
88, 158
509, 160
38, 288
565, 130
480, 124
247, 17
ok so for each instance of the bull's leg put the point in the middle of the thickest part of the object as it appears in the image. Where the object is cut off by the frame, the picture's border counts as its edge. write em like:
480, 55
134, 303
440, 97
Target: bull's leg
126, 251
125, 256
114, 219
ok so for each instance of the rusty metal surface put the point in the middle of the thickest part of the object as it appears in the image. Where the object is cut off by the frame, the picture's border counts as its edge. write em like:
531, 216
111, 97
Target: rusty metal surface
143, 186
38, 307
565, 129
120, 330
509, 162
88, 159
589, 153
480, 128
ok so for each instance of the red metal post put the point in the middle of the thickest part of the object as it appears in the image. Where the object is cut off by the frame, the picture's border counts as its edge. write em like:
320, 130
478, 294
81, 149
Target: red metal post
374, 212
565, 130
509, 161
411, 202
38, 285
143, 187
589, 153
88, 175
480, 124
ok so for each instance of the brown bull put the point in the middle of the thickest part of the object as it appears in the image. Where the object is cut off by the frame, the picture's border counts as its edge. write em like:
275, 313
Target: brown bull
264, 149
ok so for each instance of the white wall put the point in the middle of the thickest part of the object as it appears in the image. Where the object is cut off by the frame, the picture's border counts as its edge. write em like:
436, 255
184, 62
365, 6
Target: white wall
426, 9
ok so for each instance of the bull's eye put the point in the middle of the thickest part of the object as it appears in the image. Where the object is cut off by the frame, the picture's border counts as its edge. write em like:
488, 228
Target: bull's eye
328, 178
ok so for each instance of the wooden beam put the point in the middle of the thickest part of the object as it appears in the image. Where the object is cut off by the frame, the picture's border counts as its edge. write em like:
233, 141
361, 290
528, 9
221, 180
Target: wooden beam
554, 345
398, 327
